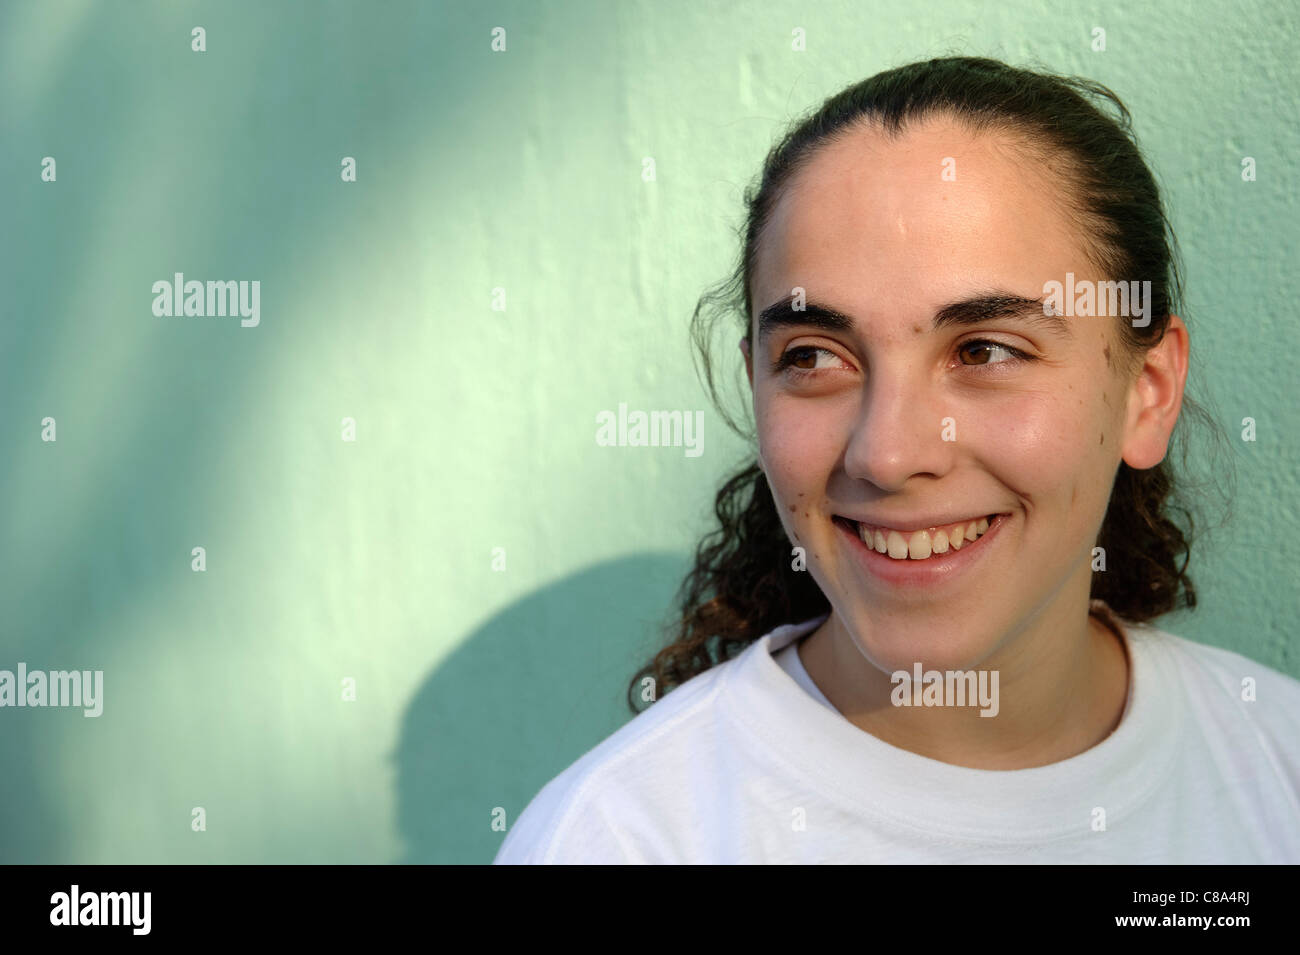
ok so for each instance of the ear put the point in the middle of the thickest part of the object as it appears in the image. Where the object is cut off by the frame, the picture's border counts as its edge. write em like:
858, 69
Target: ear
1155, 399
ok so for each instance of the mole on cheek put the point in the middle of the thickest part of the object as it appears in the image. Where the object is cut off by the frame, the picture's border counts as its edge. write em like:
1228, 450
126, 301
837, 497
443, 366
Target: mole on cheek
1103, 439
792, 507
916, 329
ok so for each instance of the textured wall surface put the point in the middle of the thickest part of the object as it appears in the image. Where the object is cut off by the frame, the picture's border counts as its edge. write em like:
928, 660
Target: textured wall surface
479, 673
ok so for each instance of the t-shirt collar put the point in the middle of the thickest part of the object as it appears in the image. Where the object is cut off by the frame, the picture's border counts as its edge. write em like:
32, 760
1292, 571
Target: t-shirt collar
851, 766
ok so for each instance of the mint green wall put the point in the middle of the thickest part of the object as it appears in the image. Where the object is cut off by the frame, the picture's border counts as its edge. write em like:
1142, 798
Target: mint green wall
372, 560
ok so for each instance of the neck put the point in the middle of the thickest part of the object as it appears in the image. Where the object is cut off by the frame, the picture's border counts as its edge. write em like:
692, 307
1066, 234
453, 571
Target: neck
1062, 685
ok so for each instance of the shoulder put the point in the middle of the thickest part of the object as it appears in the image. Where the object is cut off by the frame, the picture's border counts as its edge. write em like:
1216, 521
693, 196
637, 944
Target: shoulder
1224, 670
1229, 691
584, 813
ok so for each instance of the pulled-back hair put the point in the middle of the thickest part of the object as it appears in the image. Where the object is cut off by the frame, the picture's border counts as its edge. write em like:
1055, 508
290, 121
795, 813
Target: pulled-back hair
742, 583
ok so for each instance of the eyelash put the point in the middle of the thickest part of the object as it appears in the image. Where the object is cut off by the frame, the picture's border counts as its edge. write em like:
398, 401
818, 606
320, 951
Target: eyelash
785, 363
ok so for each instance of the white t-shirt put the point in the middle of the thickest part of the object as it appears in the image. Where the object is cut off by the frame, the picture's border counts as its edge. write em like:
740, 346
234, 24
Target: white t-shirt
749, 762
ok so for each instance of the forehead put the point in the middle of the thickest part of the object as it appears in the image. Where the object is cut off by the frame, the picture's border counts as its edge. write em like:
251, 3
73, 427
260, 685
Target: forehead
901, 223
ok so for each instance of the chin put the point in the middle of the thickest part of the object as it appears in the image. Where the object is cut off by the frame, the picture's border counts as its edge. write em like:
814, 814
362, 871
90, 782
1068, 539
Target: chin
902, 647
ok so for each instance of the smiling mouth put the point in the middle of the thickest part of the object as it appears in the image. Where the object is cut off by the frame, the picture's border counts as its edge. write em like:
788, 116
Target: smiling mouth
919, 544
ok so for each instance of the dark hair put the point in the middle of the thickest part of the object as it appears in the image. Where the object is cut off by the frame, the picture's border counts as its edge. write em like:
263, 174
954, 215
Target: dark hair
742, 584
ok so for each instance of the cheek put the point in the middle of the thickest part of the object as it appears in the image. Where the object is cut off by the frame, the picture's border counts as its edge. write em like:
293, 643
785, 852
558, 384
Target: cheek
798, 452
1054, 449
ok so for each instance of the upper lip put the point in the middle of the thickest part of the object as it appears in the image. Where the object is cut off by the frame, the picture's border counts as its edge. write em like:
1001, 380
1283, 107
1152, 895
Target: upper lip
917, 523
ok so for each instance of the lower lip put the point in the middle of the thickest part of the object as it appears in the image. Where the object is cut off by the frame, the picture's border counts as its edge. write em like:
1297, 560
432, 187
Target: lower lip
933, 571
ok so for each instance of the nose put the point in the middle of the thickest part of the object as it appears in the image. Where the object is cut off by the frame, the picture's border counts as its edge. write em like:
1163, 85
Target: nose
900, 429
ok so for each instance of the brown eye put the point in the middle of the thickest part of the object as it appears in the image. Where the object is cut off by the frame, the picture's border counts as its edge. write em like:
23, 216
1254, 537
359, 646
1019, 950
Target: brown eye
803, 358
985, 352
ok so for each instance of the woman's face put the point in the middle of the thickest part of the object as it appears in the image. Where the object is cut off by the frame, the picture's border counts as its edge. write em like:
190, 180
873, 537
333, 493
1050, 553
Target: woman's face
908, 412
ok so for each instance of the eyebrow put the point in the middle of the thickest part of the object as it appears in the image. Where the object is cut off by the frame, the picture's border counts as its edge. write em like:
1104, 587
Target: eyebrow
981, 308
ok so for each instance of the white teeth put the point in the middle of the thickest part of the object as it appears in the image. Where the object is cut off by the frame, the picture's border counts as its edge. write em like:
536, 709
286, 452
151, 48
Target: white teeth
897, 546
920, 545
918, 548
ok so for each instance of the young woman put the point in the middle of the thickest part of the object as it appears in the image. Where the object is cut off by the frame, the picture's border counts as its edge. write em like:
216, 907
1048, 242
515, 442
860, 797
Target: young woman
921, 633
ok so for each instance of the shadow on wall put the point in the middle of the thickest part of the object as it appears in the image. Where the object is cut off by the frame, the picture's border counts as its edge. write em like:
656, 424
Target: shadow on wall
524, 696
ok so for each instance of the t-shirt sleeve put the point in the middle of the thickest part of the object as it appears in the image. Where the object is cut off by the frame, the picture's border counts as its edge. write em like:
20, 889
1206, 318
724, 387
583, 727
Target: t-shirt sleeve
565, 825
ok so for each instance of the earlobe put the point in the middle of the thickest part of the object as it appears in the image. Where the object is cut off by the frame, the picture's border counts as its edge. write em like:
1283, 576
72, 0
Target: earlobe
1156, 398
